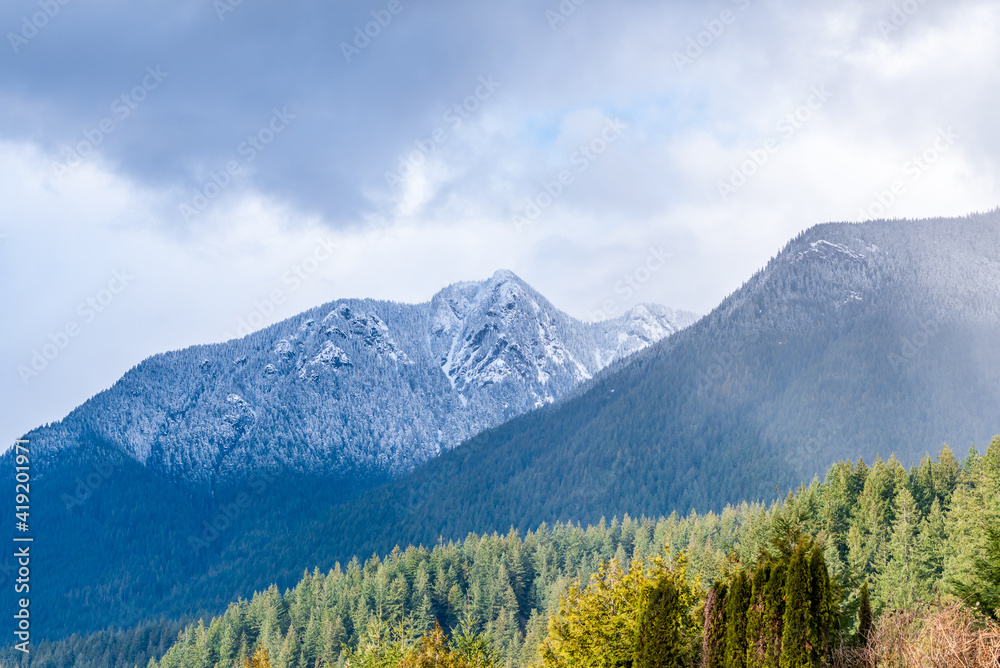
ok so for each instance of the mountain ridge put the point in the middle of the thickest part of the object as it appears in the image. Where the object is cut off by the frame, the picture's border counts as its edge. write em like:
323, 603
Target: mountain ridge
356, 387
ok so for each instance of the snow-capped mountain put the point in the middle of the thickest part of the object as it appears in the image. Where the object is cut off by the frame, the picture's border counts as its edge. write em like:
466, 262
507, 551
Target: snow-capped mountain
361, 388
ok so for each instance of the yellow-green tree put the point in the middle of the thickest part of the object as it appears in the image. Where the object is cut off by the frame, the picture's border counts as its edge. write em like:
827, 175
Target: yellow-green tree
260, 659
642, 616
434, 651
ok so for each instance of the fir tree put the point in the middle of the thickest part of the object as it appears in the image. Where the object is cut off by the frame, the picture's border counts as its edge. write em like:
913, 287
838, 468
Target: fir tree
931, 544
898, 584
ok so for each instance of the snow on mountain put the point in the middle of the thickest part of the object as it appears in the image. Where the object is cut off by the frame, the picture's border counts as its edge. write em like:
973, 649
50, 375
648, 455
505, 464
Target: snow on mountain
359, 388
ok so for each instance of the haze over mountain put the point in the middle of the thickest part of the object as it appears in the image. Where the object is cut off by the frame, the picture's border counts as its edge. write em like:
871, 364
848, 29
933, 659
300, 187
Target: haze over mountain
855, 340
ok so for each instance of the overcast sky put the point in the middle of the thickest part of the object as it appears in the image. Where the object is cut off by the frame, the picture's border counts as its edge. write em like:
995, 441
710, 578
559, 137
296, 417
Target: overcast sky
167, 166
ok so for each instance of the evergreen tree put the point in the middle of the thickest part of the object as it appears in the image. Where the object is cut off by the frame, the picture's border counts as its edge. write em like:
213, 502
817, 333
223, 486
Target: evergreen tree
714, 626
899, 585
757, 621
795, 648
931, 543
774, 613
664, 635
737, 605
289, 652
983, 587
864, 616
823, 610
261, 659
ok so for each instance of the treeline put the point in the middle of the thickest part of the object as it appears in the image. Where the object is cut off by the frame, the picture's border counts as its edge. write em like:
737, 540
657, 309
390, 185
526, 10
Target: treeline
111, 648
917, 535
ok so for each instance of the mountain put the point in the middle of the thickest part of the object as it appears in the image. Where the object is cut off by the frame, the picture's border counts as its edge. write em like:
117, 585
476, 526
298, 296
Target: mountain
856, 339
356, 389
137, 491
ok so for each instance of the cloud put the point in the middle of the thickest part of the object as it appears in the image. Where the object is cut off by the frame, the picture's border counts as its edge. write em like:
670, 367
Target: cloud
418, 82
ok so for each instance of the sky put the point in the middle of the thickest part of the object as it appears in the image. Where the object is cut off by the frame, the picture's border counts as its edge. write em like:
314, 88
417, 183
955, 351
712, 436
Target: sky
175, 172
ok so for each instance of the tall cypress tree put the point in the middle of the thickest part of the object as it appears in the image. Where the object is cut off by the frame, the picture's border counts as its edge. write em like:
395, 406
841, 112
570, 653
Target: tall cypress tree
714, 645
737, 605
864, 616
822, 609
795, 647
774, 613
661, 637
756, 619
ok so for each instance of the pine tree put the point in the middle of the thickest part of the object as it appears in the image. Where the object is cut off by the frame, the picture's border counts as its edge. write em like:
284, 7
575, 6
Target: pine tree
289, 651
983, 587
312, 642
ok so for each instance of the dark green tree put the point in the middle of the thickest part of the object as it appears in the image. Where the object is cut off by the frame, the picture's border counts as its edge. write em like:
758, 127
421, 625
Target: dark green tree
714, 627
737, 605
757, 622
663, 640
864, 616
796, 651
